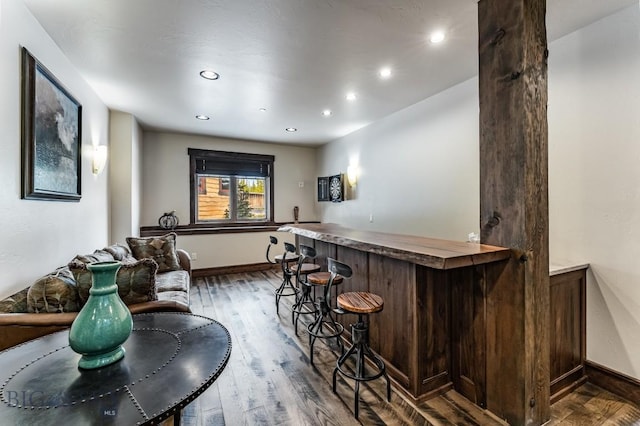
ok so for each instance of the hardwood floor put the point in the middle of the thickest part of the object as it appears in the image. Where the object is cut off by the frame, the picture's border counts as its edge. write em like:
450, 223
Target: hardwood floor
268, 380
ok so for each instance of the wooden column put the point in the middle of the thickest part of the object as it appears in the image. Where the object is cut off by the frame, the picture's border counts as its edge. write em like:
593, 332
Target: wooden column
514, 206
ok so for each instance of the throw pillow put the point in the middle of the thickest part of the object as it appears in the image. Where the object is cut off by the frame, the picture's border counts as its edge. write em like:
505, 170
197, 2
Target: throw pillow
96, 256
136, 281
16, 303
118, 251
161, 249
55, 292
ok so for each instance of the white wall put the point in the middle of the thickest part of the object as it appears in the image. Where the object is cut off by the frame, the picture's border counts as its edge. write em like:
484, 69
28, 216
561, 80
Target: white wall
594, 175
418, 169
38, 236
166, 187
419, 174
125, 176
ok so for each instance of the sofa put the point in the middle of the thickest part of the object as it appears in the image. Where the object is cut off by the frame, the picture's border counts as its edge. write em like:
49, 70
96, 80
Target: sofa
154, 276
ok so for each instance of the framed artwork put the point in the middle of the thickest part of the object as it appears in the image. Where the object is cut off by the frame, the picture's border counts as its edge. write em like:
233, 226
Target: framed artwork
323, 189
51, 136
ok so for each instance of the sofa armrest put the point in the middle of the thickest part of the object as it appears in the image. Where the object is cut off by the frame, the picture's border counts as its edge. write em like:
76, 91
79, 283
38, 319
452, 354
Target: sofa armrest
12, 335
159, 306
38, 320
185, 260
19, 328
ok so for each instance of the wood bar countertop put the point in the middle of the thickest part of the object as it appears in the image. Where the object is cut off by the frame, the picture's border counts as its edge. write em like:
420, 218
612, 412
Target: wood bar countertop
431, 252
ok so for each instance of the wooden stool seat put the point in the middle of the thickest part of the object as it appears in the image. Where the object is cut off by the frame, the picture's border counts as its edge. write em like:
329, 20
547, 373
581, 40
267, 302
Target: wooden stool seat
306, 268
360, 302
322, 278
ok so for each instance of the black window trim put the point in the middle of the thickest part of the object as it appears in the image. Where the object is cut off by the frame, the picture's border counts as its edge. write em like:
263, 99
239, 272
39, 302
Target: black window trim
198, 157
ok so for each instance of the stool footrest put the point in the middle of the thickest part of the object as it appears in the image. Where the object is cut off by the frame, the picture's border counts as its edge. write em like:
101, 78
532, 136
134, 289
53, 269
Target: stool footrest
284, 292
373, 357
320, 332
360, 350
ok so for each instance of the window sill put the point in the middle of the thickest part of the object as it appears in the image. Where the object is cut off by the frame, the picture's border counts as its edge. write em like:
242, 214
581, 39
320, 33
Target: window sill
204, 229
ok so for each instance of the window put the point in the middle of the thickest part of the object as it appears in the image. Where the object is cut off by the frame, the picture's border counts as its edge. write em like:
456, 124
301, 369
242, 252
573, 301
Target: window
230, 187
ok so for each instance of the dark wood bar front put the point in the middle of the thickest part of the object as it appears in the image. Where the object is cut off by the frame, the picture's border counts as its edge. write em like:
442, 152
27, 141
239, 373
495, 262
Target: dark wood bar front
431, 330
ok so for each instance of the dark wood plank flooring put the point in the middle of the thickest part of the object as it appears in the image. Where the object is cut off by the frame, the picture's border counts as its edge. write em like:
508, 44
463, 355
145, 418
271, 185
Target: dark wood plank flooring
268, 380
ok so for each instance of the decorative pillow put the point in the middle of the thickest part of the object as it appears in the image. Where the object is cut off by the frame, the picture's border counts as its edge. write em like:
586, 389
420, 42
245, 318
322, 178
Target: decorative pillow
55, 292
16, 303
96, 256
161, 249
136, 282
118, 251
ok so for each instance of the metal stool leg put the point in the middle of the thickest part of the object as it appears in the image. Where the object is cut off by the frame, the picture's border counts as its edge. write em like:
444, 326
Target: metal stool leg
360, 348
316, 328
285, 289
302, 302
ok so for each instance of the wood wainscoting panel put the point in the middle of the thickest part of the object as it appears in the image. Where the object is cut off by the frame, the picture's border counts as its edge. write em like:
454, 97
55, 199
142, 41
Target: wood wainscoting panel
468, 316
567, 335
432, 310
392, 330
359, 281
310, 242
323, 251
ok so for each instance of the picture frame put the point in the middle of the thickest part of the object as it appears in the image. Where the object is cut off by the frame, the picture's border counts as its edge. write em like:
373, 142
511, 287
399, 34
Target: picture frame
51, 136
323, 188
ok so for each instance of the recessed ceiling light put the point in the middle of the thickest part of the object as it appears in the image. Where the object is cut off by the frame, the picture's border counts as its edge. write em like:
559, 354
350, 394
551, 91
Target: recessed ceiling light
384, 72
202, 117
262, 110
291, 129
209, 75
326, 112
436, 37
351, 96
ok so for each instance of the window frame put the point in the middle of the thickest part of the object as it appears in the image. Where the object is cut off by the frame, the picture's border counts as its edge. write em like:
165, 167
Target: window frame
201, 156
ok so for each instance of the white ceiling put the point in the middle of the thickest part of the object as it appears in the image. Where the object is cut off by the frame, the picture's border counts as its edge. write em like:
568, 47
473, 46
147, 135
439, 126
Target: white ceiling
293, 57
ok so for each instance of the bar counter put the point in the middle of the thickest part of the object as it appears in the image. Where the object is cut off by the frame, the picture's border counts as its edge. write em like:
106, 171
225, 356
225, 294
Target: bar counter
432, 252
430, 332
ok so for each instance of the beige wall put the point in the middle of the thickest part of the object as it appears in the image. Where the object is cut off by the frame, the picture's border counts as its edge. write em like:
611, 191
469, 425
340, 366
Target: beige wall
125, 176
165, 177
419, 174
594, 175
418, 169
38, 236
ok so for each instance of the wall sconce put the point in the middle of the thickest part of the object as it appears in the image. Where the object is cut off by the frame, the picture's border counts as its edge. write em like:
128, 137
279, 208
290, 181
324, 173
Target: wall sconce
352, 175
99, 159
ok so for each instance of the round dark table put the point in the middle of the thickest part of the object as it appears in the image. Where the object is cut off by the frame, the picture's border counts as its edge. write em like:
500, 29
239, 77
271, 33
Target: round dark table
170, 359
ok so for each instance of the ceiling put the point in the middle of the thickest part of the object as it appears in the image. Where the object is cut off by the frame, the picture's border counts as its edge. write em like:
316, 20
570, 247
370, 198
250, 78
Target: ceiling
292, 58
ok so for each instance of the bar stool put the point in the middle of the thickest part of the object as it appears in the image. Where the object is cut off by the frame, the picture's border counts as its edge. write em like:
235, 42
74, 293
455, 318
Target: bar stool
286, 288
273, 241
324, 317
304, 304
363, 304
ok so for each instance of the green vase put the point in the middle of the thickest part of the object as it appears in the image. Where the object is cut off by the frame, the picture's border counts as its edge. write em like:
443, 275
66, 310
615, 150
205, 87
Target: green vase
104, 323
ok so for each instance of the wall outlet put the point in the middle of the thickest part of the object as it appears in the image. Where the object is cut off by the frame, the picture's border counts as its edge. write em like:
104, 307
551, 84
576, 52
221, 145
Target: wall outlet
194, 256
370, 217
301, 184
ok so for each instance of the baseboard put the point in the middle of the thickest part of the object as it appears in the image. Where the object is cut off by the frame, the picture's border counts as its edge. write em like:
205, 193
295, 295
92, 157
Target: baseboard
622, 385
561, 393
235, 269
